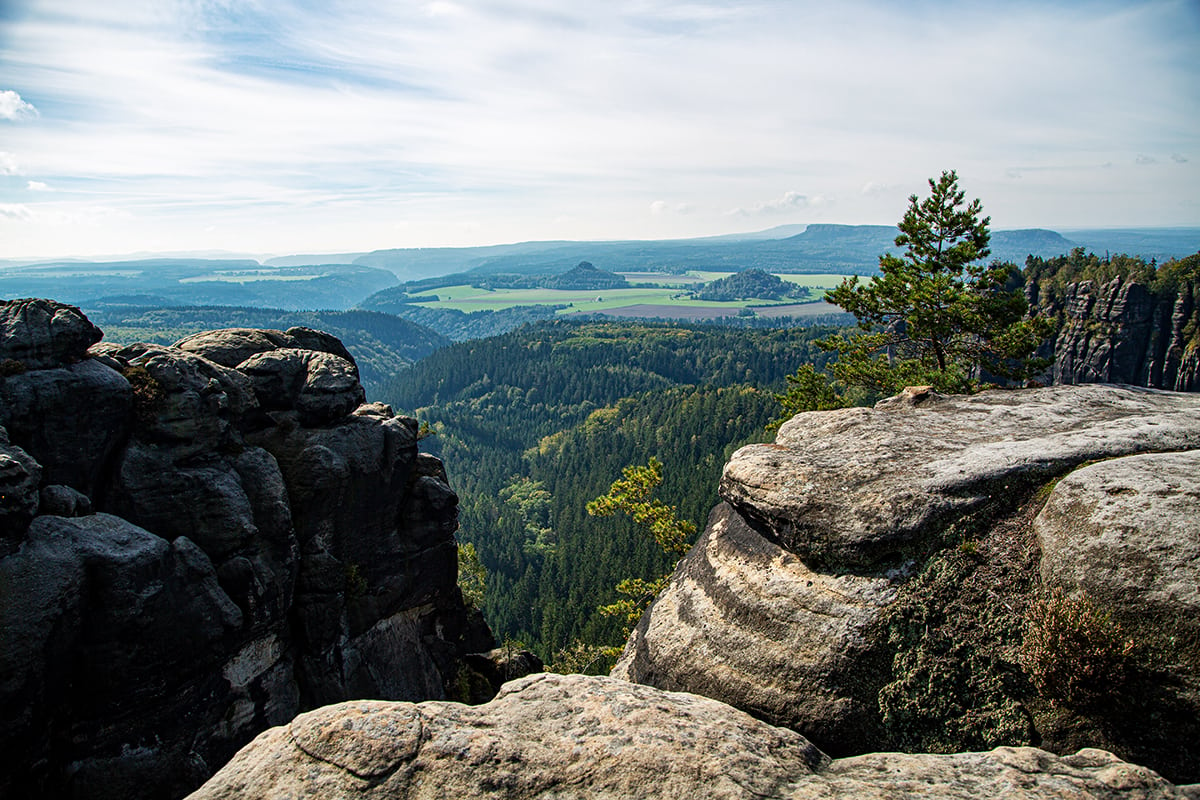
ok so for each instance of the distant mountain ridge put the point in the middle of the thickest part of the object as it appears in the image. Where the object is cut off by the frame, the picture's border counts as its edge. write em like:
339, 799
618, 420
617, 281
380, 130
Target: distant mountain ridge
788, 248
328, 282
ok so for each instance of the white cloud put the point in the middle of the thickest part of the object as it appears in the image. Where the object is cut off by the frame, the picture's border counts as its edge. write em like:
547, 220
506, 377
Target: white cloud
790, 201
37, 186
8, 164
14, 108
874, 188
1143, 160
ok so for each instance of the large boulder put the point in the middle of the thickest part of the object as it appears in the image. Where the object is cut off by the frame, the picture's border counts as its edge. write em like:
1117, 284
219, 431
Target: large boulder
555, 736
861, 487
320, 387
1127, 532
40, 334
867, 580
1120, 544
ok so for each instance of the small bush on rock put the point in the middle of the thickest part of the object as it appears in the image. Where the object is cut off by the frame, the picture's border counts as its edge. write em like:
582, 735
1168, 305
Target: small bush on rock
148, 393
1075, 653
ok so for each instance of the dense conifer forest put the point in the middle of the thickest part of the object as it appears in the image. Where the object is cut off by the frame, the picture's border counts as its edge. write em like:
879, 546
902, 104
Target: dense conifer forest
534, 423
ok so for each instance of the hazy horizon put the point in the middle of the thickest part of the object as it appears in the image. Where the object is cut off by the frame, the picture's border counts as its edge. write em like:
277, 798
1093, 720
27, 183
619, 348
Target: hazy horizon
272, 128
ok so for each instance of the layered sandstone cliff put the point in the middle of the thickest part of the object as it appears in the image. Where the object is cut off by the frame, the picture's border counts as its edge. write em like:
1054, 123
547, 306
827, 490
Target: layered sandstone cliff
1122, 332
200, 541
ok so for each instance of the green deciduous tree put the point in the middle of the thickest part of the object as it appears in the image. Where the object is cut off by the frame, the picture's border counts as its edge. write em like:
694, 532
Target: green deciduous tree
937, 314
472, 578
632, 494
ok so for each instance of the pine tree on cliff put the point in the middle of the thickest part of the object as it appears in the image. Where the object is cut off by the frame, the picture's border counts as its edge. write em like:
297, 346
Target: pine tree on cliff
937, 314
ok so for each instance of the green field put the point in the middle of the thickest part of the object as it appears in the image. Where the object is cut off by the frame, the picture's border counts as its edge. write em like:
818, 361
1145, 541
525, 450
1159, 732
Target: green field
470, 298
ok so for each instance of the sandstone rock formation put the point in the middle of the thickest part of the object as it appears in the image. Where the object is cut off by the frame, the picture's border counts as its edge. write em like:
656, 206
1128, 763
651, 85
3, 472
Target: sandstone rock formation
555, 736
1120, 332
866, 581
198, 542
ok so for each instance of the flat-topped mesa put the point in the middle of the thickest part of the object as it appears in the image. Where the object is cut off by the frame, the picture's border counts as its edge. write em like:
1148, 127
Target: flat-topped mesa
866, 580
858, 487
200, 541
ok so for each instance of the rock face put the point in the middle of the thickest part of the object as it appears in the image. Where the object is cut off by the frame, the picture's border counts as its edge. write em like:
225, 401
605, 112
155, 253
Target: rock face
195, 548
866, 580
555, 736
1120, 332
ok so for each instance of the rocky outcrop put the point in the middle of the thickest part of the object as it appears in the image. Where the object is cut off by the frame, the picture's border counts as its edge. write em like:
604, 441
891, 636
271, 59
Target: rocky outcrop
554, 736
195, 548
867, 579
1121, 332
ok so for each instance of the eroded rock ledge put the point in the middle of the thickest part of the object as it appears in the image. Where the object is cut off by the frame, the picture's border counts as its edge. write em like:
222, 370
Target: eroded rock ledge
573, 736
196, 543
867, 580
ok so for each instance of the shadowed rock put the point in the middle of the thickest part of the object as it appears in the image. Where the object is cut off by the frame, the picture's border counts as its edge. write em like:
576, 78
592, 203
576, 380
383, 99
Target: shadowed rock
42, 333
259, 544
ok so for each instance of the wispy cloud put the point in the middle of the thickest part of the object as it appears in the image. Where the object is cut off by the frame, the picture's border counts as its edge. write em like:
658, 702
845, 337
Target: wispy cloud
15, 211
280, 125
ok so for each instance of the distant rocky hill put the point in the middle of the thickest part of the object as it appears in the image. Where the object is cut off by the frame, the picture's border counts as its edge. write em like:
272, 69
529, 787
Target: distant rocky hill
750, 284
199, 541
584, 275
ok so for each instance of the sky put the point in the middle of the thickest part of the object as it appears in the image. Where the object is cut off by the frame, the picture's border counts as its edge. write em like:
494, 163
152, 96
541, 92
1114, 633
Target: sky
321, 126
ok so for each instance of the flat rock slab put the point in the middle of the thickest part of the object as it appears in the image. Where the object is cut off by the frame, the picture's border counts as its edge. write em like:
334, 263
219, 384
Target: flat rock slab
575, 736
858, 486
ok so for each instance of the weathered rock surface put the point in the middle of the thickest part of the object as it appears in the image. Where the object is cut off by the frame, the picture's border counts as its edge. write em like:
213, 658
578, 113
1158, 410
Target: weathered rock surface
859, 486
1127, 531
187, 558
555, 736
41, 333
785, 607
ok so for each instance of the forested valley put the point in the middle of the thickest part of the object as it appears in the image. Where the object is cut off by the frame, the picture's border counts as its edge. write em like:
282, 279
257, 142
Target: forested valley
534, 423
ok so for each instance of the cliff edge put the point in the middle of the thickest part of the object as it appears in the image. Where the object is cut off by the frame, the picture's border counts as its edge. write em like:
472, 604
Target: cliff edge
954, 573
200, 541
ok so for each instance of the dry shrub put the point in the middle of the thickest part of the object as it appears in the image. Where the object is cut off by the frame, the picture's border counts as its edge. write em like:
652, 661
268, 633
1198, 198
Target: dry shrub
1074, 651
